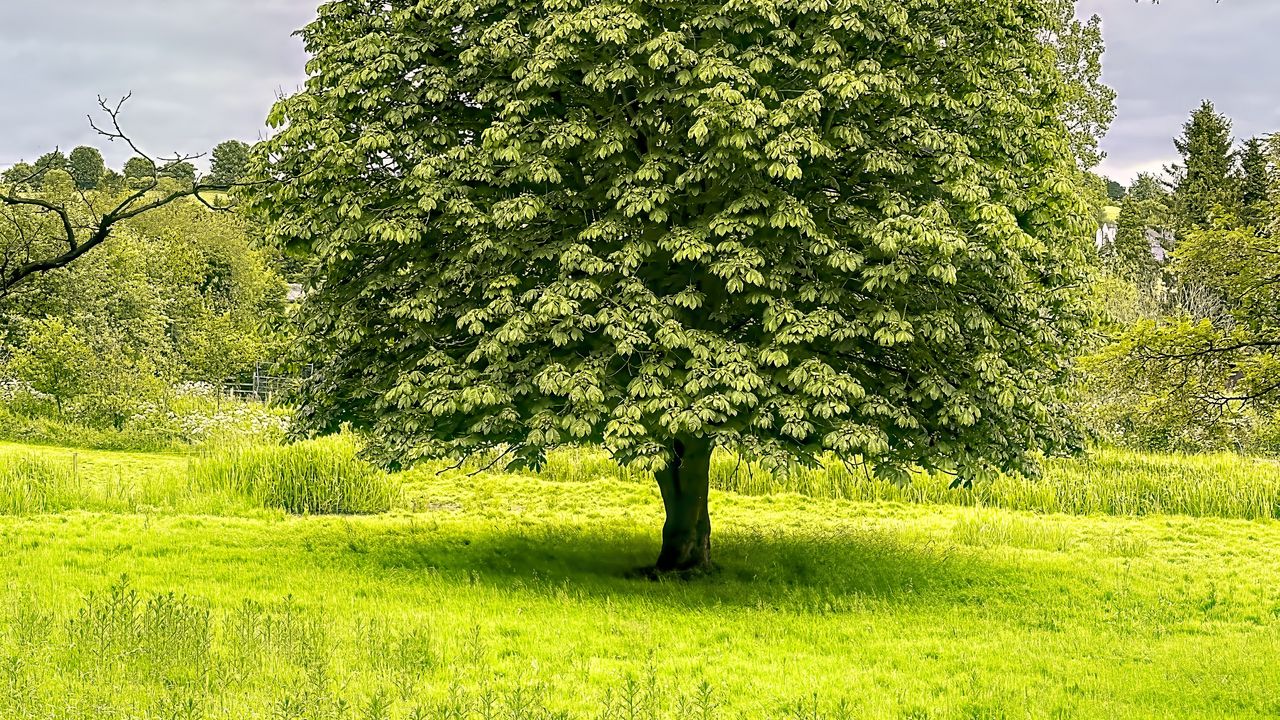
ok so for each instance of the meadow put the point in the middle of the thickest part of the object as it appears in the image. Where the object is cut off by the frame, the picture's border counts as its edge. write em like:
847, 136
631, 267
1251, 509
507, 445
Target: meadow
173, 586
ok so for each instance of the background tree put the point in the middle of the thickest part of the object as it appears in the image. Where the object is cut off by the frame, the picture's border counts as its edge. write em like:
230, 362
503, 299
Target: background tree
53, 359
1205, 186
19, 173
229, 162
179, 294
670, 228
181, 171
1130, 255
1255, 184
86, 167
1213, 365
112, 182
53, 160
1115, 190
1147, 186
1089, 106
139, 171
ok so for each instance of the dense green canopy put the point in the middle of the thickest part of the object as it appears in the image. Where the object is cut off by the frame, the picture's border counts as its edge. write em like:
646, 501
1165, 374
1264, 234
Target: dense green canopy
785, 226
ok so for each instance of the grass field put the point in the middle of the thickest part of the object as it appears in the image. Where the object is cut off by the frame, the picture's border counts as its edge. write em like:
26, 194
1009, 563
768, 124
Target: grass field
151, 589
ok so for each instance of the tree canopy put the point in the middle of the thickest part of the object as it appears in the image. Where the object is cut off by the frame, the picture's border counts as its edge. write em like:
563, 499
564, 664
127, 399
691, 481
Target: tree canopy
783, 228
86, 167
1205, 185
229, 162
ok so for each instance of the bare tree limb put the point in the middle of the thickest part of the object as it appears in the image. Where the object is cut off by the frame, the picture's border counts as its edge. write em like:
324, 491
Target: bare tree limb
142, 200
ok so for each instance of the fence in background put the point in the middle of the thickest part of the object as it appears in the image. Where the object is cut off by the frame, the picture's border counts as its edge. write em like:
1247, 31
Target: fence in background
266, 383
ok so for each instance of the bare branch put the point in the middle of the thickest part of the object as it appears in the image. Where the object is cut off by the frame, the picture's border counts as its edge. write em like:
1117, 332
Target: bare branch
138, 202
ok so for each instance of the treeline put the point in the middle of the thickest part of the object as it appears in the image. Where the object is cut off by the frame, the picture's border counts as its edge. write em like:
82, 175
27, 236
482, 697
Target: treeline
178, 297
88, 170
1189, 292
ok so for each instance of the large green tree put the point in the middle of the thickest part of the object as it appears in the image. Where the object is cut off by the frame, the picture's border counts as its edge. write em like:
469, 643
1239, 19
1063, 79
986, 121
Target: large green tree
784, 228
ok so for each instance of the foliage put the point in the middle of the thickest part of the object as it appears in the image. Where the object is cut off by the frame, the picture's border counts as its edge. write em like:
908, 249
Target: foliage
181, 290
1148, 187
1255, 184
182, 171
1089, 105
187, 416
1205, 187
86, 167
229, 163
53, 160
53, 359
52, 229
1115, 190
19, 174
138, 171
178, 294
537, 225
1130, 255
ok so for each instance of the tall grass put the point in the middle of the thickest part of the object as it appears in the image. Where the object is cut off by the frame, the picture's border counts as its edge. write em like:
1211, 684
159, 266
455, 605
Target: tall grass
321, 476
31, 484
1105, 482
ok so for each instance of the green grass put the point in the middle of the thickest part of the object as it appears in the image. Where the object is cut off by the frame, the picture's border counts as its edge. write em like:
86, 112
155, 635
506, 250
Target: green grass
317, 477
321, 476
1108, 482
509, 592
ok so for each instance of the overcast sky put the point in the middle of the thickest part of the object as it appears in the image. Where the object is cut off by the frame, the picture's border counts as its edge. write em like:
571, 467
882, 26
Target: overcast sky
200, 72
1163, 60
203, 72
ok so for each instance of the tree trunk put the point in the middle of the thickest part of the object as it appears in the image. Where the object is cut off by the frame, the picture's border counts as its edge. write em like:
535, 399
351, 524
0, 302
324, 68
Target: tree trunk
686, 535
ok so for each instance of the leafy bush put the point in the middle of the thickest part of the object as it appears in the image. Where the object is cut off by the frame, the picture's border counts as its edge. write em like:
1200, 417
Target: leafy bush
322, 476
52, 430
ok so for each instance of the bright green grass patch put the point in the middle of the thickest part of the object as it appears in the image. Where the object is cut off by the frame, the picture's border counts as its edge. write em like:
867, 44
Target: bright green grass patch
31, 484
105, 481
504, 596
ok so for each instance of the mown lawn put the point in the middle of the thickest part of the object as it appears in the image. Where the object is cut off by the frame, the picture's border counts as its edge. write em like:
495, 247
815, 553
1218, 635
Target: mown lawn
506, 596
